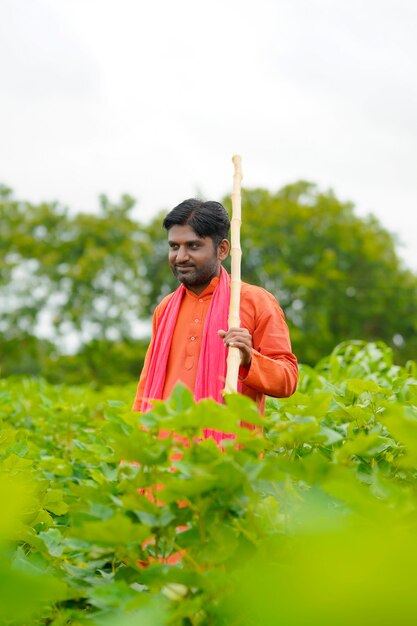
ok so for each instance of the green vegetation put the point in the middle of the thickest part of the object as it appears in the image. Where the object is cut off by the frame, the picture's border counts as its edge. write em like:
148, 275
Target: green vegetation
92, 276
336, 275
310, 521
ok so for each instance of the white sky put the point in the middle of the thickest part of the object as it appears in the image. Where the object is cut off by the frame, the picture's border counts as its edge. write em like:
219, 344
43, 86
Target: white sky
153, 98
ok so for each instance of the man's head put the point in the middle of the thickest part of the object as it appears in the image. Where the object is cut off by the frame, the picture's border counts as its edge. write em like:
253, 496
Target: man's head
197, 237
207, 219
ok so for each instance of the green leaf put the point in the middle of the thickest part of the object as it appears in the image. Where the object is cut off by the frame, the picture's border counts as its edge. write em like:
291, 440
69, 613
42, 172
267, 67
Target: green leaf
115, 530
359, 386
53, 541
181, 399
113, 595
54, 502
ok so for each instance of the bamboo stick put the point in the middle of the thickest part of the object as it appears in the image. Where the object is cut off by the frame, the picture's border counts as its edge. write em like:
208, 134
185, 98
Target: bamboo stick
233, 358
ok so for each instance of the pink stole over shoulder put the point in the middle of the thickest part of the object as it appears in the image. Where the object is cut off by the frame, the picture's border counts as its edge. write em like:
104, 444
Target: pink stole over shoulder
211, 370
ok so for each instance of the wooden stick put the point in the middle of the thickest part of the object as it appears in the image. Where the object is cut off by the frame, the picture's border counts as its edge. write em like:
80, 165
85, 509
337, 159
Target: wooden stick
233, 358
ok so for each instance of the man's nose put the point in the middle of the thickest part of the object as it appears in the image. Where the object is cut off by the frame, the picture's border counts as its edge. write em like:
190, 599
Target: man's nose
182, 254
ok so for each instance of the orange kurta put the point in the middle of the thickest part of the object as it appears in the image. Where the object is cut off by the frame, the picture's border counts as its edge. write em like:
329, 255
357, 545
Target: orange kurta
273, 370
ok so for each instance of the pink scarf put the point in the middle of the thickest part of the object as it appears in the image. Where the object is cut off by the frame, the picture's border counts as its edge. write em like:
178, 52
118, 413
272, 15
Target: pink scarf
211, 371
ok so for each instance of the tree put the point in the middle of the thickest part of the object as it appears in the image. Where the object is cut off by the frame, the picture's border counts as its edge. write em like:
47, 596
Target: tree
77, 275
77, 279
336, 275
92, 277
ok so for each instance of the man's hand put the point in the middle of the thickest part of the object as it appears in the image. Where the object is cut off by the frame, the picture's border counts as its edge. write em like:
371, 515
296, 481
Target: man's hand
239, 338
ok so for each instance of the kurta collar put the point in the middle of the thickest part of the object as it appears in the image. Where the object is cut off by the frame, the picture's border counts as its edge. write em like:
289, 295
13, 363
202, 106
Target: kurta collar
208, 291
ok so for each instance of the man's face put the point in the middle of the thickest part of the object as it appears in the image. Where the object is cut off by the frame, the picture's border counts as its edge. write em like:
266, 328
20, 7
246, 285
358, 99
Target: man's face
193, 260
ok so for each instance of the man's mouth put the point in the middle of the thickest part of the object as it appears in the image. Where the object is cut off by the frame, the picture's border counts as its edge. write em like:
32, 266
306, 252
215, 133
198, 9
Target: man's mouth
184, 268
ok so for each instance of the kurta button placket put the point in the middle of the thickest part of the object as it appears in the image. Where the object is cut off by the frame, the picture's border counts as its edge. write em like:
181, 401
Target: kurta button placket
186, 340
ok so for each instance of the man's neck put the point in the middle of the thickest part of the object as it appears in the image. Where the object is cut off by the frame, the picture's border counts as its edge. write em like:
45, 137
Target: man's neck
201, 289
198, 289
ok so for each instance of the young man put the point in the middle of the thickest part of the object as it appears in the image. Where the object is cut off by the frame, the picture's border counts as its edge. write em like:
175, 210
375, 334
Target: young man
189, 331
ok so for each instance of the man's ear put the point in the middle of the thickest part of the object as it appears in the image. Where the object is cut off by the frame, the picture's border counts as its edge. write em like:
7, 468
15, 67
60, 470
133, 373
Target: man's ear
223, 249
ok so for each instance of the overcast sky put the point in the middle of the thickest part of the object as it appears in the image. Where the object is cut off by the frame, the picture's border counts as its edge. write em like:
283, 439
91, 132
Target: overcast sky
153, 99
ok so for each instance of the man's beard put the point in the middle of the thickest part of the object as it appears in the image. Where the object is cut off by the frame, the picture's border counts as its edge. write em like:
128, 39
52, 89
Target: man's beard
195, 277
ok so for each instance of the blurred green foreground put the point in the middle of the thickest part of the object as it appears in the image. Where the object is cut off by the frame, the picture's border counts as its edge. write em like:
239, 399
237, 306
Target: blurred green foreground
312, 521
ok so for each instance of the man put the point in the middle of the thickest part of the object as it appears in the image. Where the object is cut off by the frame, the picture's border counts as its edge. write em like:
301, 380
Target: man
189, 337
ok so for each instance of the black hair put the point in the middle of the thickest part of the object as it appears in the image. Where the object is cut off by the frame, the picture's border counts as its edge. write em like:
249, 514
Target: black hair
207, 219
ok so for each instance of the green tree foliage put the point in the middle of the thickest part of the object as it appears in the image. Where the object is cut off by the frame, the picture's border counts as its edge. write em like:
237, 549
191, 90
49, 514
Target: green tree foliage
336, 275
80, 274
310, 520
77, 276
100, 362
91, 277
158, 273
